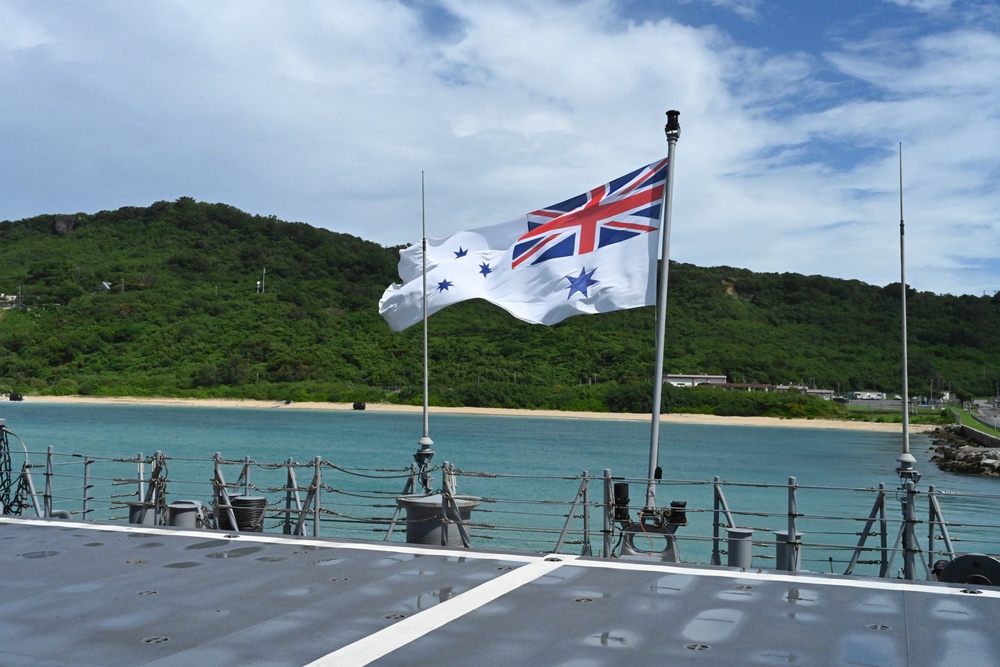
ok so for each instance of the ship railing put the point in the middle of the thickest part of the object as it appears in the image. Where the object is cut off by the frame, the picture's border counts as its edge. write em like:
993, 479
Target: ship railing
813, 539
878, 531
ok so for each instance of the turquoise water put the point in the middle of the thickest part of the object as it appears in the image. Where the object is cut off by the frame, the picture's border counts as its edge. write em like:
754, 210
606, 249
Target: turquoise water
542, 456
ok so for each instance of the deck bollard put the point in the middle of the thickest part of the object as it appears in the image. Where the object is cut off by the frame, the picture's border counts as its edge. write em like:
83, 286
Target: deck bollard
430, 520
184, 514
740, 547
142, 514
787, 553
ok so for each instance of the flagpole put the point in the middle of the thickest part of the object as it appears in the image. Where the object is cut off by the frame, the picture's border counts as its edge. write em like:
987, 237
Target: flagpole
425, 453
673, 130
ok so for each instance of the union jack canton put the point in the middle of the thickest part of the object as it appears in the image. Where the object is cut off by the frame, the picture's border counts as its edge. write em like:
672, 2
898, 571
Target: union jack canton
617, 211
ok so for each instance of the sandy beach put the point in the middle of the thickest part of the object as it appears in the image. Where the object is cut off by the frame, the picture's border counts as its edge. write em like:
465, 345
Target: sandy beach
389, 407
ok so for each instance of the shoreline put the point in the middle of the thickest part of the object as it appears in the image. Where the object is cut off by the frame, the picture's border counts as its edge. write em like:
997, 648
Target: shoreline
833, 424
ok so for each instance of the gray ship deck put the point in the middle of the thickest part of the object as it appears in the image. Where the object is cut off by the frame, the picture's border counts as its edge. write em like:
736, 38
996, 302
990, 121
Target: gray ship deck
92, 594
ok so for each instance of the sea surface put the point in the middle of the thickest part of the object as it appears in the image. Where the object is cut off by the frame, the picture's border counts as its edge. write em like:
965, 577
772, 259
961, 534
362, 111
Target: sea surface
538, 460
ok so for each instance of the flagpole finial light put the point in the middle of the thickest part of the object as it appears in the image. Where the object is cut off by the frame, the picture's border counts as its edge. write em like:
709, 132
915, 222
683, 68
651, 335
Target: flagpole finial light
673, 128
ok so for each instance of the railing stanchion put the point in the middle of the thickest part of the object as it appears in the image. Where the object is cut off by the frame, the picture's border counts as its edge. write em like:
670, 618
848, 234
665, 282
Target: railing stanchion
289, 489
606, 529
909, 532
222, 496
141, 470
216, 477
449, 489
408, 488
47, 496
931, 522
883, 533
945, 535
716, 555
587, 550
246, 475
30, 483
87, 486
581, 495
794, 545
878, 507
318, 481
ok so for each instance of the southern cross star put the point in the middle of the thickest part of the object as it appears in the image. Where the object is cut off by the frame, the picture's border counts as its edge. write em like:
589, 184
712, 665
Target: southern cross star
581, 282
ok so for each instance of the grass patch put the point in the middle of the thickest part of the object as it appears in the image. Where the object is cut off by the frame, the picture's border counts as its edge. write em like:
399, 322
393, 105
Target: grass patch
968, 420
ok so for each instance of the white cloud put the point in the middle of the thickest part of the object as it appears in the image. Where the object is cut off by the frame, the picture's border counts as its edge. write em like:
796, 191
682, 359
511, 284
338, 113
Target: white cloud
327, 113
924, 5
746, 9
18, 32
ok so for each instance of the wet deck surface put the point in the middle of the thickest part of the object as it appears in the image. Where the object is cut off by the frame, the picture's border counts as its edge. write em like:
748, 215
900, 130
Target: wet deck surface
89, 594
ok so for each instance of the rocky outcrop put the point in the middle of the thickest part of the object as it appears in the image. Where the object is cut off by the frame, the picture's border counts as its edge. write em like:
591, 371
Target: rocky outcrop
954, 452
63, 224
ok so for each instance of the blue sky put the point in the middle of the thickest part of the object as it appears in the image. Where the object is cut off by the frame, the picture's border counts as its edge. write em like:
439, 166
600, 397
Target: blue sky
327, 112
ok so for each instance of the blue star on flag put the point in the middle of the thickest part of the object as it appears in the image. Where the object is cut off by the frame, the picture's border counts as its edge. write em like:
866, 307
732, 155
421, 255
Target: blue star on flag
461, 252
485, 269
581, 282
444, 285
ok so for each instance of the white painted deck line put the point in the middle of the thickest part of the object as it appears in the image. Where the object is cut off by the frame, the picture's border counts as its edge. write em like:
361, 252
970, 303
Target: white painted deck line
397, 635
271, 538
801, 577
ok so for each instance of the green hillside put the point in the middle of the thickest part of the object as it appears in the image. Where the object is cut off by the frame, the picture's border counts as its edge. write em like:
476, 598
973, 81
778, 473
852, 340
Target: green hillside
184, 317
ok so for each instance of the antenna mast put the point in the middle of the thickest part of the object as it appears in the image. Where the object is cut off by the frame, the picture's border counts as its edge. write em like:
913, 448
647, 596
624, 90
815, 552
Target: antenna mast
905, 470
425, 453
908, 475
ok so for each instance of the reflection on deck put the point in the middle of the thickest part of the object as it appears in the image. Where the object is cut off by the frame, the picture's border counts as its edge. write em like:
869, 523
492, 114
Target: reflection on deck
101, 594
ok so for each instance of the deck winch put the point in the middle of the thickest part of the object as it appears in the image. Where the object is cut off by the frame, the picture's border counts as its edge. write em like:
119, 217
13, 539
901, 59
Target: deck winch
653, 525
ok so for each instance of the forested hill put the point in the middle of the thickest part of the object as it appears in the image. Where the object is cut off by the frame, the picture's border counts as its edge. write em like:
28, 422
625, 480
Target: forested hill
184, 317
